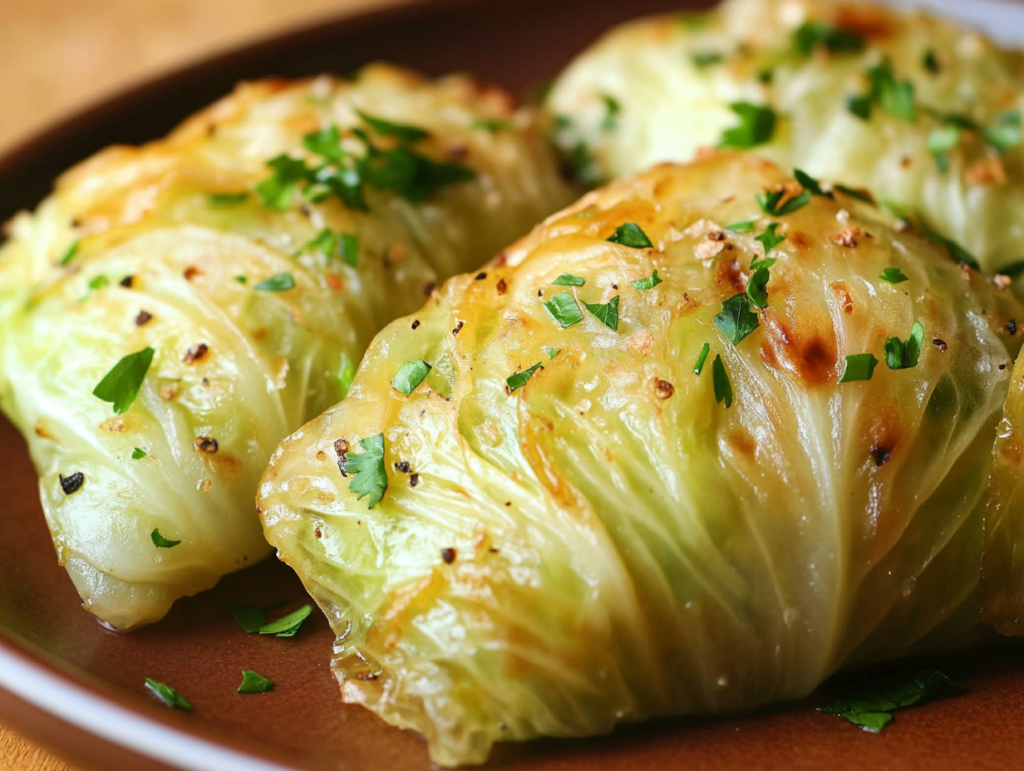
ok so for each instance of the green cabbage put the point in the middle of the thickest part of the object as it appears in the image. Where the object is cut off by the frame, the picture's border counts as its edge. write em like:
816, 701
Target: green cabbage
257, 314
941, 138
573, 532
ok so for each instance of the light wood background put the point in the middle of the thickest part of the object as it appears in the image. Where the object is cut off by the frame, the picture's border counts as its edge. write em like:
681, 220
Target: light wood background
59, 55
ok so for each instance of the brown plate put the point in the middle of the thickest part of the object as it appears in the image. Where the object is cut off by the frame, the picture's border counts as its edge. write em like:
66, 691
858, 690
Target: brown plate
78, 688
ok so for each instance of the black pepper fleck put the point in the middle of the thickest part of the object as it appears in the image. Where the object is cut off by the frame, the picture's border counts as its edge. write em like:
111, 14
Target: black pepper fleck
403, 467
415, 323
196, 353
143, 318
940, 344
458, 328
73, 483
481, 276
206, 444
1011, 327
448, 555
128, 282
880, 455
414, 480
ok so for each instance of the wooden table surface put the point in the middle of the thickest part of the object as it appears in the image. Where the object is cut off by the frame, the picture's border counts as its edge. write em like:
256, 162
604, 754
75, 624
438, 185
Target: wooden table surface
60, 55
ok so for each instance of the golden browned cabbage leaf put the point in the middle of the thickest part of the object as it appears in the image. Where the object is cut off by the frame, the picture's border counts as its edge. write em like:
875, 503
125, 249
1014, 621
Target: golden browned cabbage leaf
563, 525
922, 111
257, 288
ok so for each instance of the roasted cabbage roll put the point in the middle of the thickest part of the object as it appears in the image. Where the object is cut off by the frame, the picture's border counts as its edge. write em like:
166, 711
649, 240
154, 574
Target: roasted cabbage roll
696, 443
173, 311
924, 112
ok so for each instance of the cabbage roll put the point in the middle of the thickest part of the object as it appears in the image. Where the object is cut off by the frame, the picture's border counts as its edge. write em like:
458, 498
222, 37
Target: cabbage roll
173, 311
690, 447
923, 112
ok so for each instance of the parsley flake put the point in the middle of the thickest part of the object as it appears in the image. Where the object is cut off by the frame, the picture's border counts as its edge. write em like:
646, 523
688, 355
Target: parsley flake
252, 617
1006, 133
121, 385
629, 234
138, 453
370, 476
168, 695
277, 192
814, 34
930, 61
324, 242
403, 132
706, 59
871, 707
280, 282
742, 227
348, 246
859, 366
69, 255
941, 142
1012, 269
756, 126
222, 200
757, 287
772, 204
520, 379
904, 354
289, 625
160, 542
254, 683
769, 239
720, 378
607, 313
702, 357
494, 126
568, 279
410, 375
736, 320
807, 182
647, 283
564, 310
956, 252
553, 352
612, 109
893, 276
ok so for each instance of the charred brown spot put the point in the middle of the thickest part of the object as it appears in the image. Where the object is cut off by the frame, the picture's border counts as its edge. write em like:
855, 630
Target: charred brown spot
502, 286
800, 240
128, 282
940, 344
340, 447
414, 480
318, 533
71, 484
847, 237
880, 455
663, 389
458, 327
743, 444
842, 294
41, 431
448, 555
403, 467
800, 347
731, 275
196, 353
143, 318
191, 272
206, 444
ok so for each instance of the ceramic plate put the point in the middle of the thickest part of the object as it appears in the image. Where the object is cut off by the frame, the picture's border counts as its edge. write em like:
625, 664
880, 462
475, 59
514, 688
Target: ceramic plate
78, 688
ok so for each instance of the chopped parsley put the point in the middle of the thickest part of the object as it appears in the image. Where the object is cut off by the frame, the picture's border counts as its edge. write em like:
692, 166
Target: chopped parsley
348, 246
757, 287
410, 375
607, 313
612, 110
403, 132
168, 695
941, 142
756, 126
254, 683
895, 97
280, 282
769, 239
289, 625
771, 202
736, 320
859, 366
252, 617
553, 352
956, 252
494, 126
723, 388
583, 163
370, 477
568, 279
930, 61
1006, 133
814, 34
138, 453
220, 200
742, 227
69, 255
807, 182
893, 276
647, 283
121, 385
702, 357
1012, 269
871, 707
277, 192
346, 373
629, 234
99, 282
324, 242
160, 542
564, 310
706, 59
520, 379
904, 354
